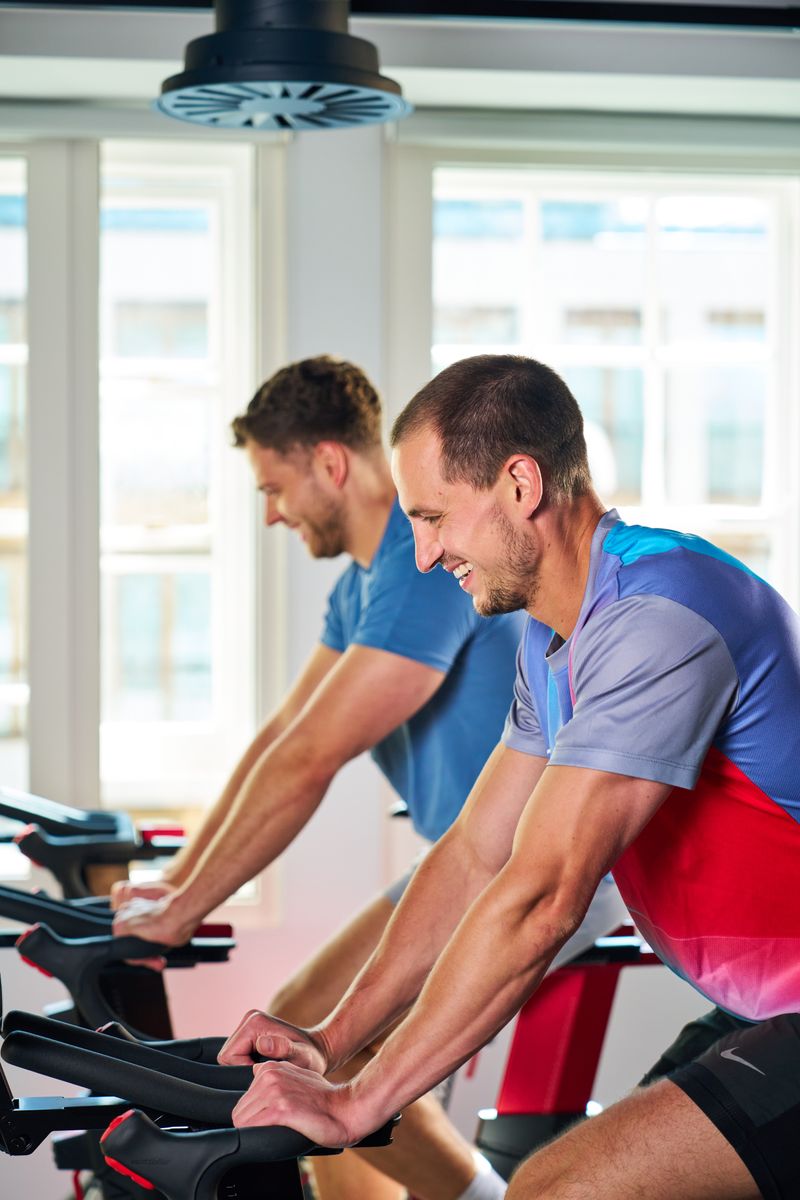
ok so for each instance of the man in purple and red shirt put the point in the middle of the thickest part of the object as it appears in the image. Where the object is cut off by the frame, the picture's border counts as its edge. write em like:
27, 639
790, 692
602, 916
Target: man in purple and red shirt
655, 732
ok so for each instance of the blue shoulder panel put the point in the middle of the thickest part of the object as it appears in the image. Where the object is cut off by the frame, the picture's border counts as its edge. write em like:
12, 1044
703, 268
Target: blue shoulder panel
632, 542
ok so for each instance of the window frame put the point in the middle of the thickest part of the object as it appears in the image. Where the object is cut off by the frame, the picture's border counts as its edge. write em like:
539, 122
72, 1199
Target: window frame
210, 746
63, 176
410, 299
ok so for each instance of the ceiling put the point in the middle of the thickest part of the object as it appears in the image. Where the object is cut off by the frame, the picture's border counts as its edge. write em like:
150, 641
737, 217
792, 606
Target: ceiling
742, 13
105, 52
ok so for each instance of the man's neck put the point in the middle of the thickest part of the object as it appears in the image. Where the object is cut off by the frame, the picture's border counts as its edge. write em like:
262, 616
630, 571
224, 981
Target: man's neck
565, 546
371, 497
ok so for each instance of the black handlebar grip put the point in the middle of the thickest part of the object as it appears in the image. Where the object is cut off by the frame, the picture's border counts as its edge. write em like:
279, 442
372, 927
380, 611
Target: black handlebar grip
68, 958
61, 917
187, 1102
55, 817
189, 1166
199, 1049
233, 1079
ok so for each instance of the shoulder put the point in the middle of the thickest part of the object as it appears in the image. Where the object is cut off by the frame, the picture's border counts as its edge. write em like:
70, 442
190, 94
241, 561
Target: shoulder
646, 634
345, 582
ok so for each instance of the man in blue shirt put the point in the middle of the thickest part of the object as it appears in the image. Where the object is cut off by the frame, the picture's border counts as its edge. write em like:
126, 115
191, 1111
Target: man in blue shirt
407, 670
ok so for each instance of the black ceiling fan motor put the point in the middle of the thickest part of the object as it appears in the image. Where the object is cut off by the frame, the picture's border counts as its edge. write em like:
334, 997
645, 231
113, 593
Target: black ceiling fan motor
282, 64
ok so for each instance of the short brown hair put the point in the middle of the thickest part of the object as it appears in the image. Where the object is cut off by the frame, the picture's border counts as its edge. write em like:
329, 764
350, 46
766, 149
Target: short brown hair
314, 400
486, 408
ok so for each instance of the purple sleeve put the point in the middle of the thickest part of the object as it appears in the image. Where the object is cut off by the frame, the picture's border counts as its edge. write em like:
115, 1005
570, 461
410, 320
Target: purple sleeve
522, 729
653, 682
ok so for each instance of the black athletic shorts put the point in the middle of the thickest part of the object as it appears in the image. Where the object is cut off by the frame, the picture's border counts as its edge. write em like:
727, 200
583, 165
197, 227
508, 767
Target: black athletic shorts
747, 1082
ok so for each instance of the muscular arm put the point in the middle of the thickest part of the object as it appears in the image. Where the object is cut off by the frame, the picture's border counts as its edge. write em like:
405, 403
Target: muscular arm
574, 827
321, 662
451, 876
366, 695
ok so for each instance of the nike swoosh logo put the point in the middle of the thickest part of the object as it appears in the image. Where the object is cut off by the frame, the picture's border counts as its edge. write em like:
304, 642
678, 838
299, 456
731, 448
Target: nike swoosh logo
733, 1057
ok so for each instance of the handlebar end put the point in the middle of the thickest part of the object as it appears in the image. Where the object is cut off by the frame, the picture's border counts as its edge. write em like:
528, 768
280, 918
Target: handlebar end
23, 937
114, 1163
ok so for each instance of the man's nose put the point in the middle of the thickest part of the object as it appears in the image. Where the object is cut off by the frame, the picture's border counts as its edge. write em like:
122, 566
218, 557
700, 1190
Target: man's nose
271, 514
427, 549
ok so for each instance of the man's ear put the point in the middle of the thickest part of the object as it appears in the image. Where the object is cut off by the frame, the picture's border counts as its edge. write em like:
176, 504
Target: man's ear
332, 460
525, 489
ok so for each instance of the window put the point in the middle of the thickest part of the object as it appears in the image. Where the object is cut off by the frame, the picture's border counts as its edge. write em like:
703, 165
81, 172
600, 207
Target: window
13, 484
656, 299
177, 685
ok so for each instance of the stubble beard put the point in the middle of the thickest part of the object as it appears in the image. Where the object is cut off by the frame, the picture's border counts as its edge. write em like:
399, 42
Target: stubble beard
516, 586
326, 532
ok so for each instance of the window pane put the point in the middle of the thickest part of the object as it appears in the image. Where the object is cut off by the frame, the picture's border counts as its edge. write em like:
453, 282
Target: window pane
591, 269
155, 436
13, 483
713, 268
158, 385
612, 402
160, 670
656, 301
160, 402
478, 276
715, 434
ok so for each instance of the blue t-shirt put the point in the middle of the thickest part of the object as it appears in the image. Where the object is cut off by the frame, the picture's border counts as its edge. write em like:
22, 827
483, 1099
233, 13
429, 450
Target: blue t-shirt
433, 759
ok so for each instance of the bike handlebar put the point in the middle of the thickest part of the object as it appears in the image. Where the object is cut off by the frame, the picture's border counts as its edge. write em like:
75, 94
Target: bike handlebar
159, 1059
191, 1164
62, 917
140, 1085
59, 819
79, 962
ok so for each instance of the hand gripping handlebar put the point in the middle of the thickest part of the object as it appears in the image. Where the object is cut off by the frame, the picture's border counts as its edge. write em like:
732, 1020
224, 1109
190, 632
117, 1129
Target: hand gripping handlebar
68, 858
183, 1166
79, 962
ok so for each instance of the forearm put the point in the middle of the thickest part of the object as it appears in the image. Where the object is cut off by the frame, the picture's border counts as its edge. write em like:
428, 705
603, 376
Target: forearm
480, 981
184, 863
278, 797
443, 886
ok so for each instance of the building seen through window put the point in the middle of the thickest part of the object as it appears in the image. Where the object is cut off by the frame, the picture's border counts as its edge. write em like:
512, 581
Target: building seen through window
656, 304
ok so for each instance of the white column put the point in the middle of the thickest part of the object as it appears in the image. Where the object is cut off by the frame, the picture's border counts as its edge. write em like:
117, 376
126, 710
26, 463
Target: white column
335, 305
63, 471
335, 246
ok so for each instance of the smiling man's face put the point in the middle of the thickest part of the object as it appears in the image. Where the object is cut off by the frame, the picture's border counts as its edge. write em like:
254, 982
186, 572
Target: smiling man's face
297, 494
472, 534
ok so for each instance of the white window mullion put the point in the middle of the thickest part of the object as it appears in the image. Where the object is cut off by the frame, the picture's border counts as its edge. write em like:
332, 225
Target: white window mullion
269, 554
63, 470
410, 274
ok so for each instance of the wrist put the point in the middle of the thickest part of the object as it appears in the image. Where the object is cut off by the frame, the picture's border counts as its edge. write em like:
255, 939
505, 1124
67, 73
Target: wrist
363, 1109
183, 908
320, 1036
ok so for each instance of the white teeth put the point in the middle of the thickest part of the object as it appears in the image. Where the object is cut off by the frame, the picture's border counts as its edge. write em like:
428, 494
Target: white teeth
462, 571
